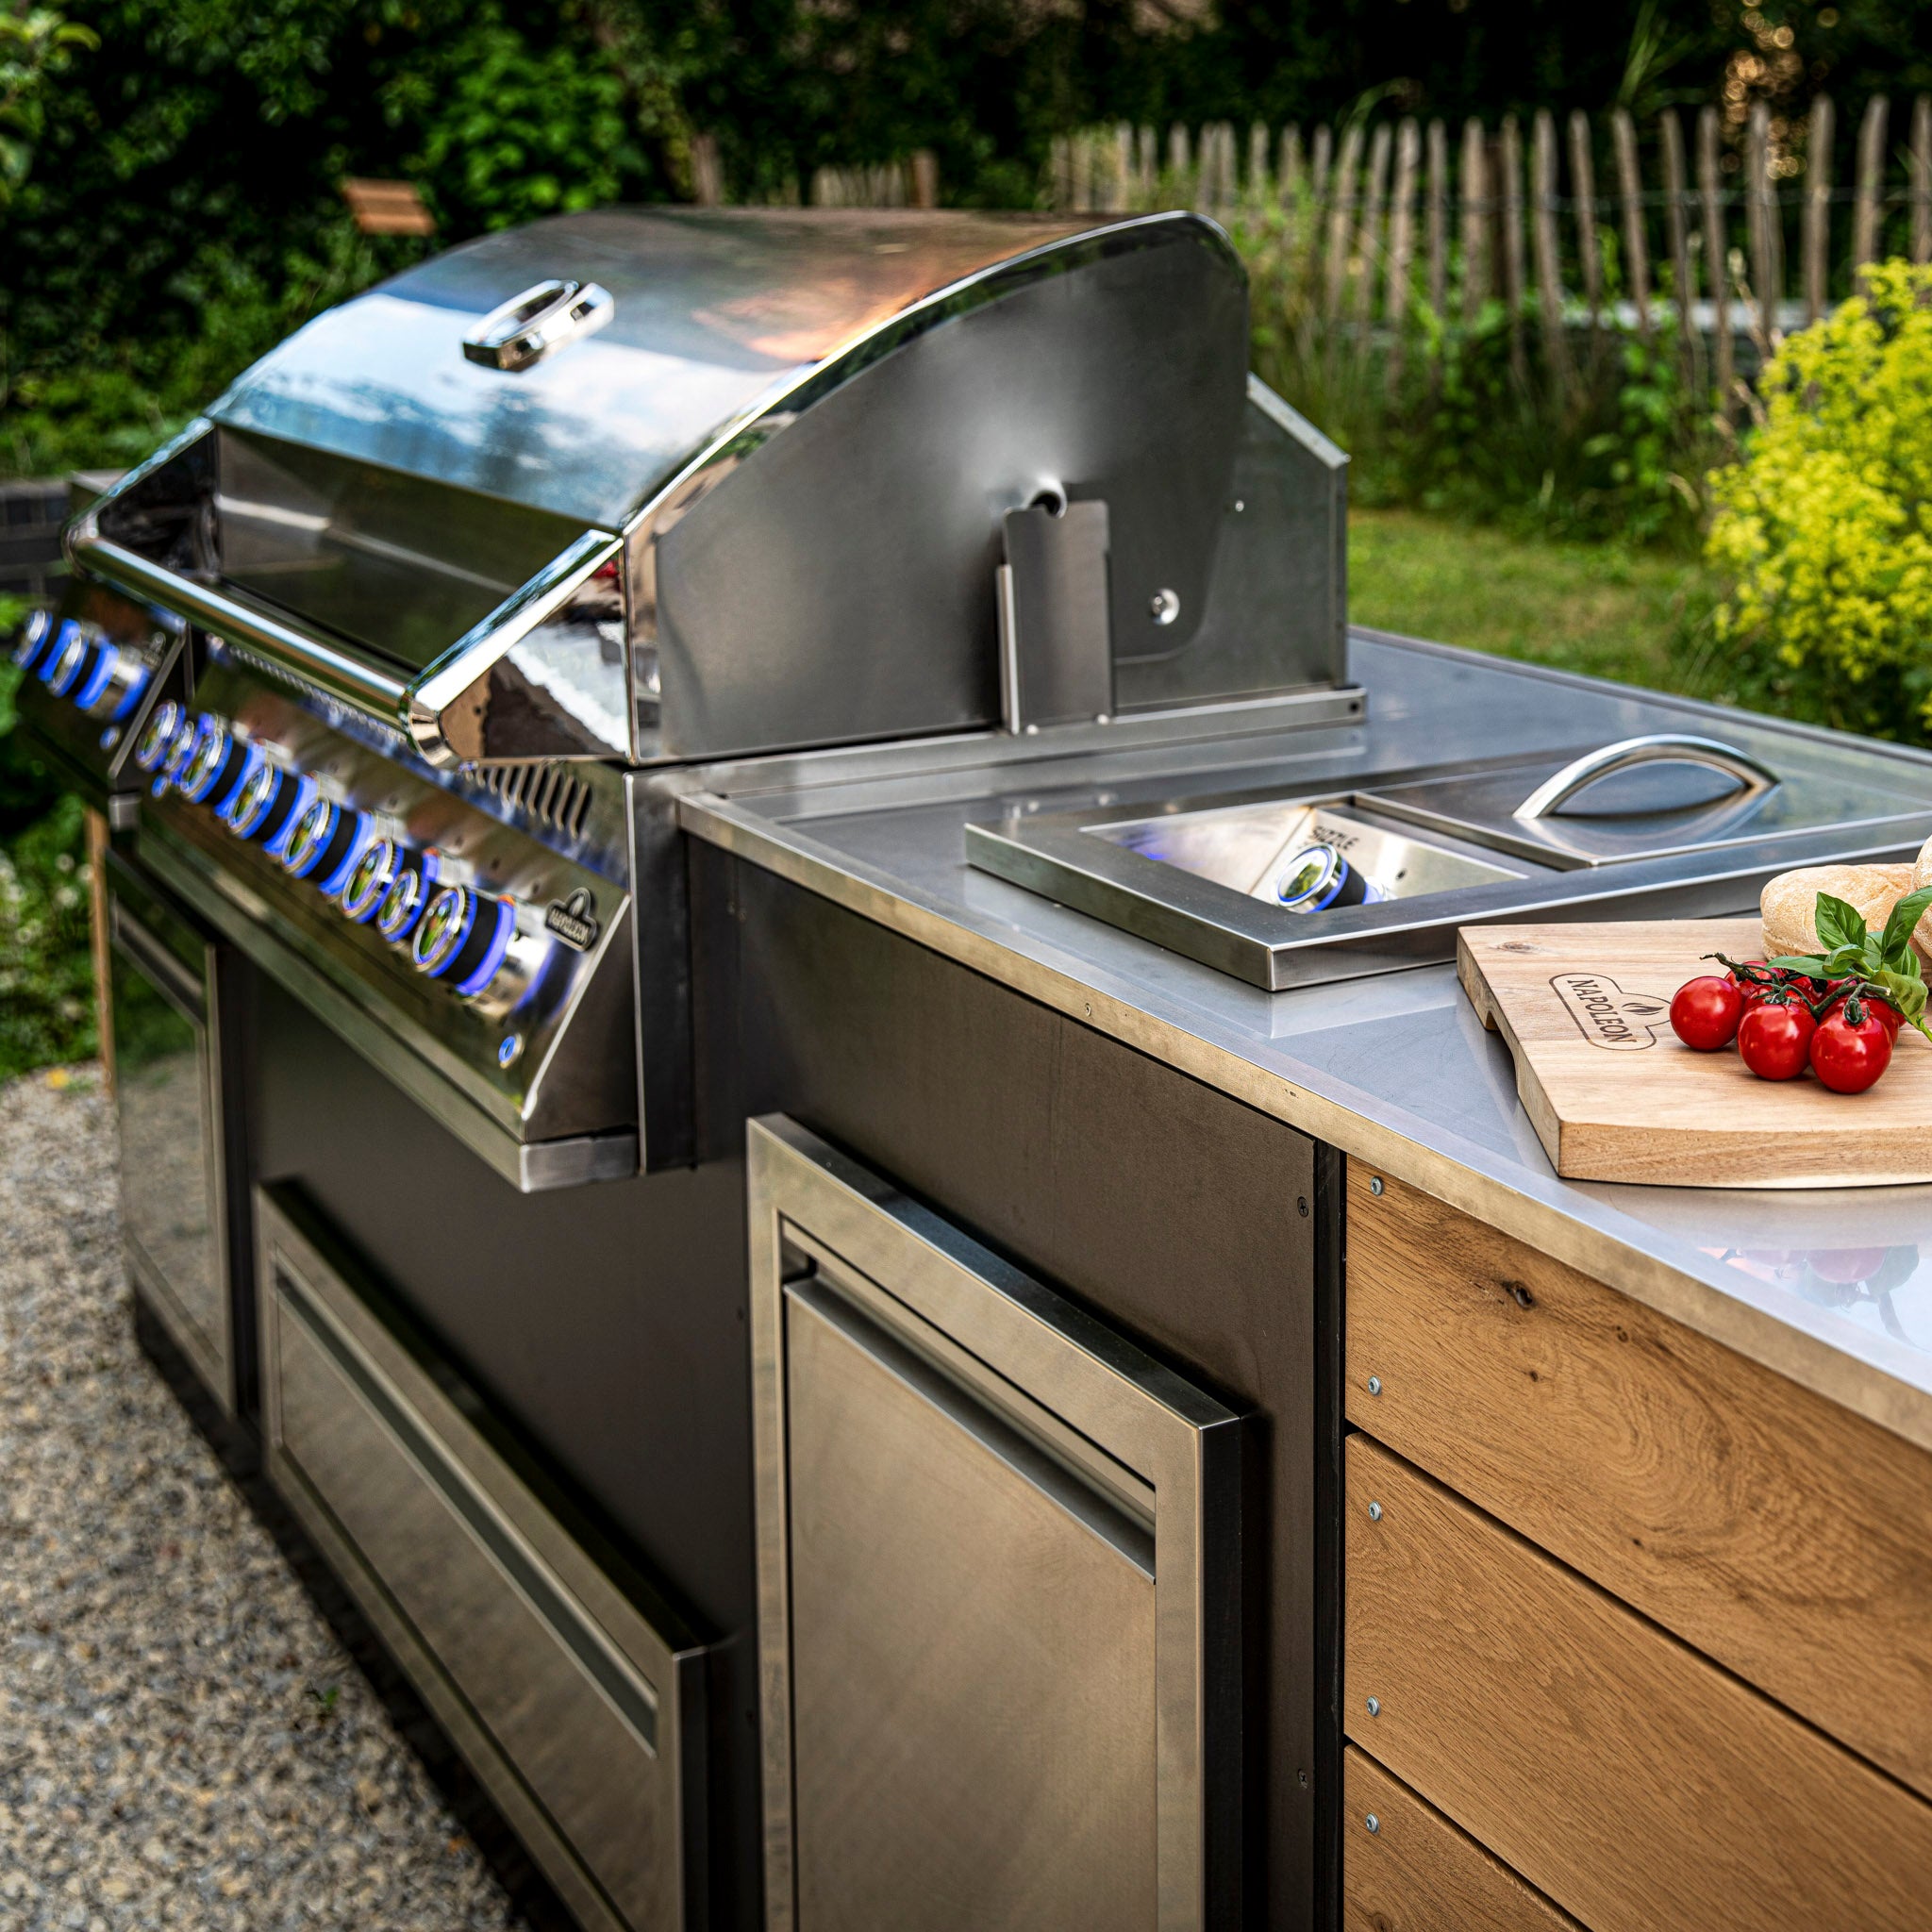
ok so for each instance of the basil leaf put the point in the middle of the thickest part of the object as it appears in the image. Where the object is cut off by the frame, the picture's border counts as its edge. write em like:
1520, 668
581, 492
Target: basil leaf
1838, 924
1907, 994
1812, 968
1905, 918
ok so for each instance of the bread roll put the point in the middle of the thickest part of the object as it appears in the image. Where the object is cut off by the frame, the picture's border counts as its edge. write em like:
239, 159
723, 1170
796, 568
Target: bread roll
1788, 902
1922, 876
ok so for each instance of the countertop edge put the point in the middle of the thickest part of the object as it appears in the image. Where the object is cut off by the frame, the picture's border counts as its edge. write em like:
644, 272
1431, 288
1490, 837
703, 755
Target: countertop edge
1814, 1361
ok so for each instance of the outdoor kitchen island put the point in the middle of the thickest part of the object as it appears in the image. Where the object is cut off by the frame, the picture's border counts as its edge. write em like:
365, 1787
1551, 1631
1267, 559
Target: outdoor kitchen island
1623, 1509
785, 1047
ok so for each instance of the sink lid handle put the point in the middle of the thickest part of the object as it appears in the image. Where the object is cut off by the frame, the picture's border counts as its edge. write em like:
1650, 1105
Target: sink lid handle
1662, 748
545, 317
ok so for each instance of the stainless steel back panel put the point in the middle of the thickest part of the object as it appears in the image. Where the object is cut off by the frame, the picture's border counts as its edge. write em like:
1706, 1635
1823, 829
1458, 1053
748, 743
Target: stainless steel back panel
167, 1101
580, 1715
999, 1603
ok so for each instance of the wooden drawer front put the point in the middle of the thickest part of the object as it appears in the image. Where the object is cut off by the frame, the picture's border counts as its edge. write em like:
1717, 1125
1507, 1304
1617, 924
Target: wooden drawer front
1788, 1540
1414, 1871
1619, 1772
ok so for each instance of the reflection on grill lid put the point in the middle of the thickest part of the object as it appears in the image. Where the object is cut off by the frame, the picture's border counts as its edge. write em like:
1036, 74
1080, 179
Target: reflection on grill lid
714, 309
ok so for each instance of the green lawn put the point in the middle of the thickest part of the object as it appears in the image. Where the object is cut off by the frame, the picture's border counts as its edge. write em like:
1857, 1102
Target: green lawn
1591, 608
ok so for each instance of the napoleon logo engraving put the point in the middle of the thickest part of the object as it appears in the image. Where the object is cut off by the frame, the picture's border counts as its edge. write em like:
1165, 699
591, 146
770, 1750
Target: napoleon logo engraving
1607, 1015
574, 920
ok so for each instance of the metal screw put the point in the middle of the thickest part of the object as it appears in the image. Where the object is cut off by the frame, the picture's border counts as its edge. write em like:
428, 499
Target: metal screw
1374, 1707
1375, 1185
1374, 1513
1164, 607
1373, 1822
1374, 1385
110, 737
1301, 1206
510, 1049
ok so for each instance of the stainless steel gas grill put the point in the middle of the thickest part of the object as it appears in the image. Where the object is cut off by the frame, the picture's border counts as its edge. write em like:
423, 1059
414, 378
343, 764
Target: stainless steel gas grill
394, 670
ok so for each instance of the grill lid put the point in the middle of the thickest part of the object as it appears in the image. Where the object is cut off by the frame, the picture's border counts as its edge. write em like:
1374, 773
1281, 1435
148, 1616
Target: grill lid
711, 310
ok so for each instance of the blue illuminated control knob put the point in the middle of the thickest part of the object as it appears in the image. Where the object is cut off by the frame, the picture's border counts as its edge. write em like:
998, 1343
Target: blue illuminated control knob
326, 842
469, 939
158, 741
370, 877
266, 805
409, 890
33, 637
180, 749
216, 767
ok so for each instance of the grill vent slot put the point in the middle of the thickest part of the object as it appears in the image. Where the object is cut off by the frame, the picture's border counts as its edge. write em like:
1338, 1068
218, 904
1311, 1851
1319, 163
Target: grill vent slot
550, 792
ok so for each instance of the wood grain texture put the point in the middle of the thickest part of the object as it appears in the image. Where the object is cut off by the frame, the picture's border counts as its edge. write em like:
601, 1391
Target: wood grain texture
1785, 1538
1417, 1873
1620, 1773
1614, 1095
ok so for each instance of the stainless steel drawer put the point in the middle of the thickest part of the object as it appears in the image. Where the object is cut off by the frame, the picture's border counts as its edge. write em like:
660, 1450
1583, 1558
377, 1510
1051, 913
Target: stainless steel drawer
998, 1585
582, 1714
168, 1104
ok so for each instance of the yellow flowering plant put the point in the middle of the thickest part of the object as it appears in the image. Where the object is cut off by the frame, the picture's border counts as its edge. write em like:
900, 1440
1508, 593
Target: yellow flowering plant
1824, 526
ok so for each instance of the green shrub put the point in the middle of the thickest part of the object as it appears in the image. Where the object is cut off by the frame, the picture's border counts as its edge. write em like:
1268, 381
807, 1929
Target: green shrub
1824, 524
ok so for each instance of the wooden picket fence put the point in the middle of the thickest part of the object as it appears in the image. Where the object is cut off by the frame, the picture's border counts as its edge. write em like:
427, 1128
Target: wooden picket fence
1373, 219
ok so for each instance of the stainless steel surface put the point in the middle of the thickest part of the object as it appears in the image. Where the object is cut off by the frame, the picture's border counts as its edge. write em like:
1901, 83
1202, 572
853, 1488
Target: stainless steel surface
575, 1710
538, 323
1396, 1070
995, 1544
236, 615
1629, 805
168, 1104
1661, 746
380, 519
718, 314
1201, 875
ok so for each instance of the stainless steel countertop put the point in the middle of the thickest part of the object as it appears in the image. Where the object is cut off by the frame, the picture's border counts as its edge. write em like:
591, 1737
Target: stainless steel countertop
1831, 1288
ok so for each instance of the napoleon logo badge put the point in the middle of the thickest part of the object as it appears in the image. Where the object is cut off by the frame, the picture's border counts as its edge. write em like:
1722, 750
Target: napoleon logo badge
574, 920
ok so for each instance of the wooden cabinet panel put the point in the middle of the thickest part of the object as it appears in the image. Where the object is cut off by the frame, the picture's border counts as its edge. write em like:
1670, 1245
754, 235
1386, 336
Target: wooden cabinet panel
1788, 1540
1628, 1777
1416, 1873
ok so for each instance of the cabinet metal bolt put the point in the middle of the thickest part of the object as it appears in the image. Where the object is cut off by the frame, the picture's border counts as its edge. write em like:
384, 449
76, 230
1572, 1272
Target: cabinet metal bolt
1374, 1707
1374, 1385
1373, 1822
1375, 1185
1374, 1513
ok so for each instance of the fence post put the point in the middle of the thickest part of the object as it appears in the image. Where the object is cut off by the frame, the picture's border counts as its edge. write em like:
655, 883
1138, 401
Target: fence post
1549, 286
1340, 217
925, 178
1761, 212
1180, 167
1395, 291
1148, 168
1367, 255
706, 171
1439, 217
1922, 179
1258, 147
1710, 194
1291, 186
1583, 181
1865, 214
1630, 190
1816, 237
1512, 157
1475, 280
1682, 274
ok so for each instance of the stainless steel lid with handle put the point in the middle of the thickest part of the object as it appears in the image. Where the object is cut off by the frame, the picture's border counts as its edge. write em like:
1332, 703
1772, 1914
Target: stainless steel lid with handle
669, 484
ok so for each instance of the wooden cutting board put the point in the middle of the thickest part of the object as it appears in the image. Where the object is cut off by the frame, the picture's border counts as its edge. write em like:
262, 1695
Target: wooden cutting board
1615, 1095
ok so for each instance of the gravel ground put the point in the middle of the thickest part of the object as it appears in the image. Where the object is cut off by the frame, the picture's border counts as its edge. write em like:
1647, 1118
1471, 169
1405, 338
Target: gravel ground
183, 1742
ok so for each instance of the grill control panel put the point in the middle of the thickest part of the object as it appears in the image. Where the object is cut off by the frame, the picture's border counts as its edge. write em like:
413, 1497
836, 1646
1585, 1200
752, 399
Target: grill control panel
478, 943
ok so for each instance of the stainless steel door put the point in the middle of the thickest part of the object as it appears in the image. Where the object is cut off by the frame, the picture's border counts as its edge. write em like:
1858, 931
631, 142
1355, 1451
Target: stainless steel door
581, 1714
999, 1618
168, 1097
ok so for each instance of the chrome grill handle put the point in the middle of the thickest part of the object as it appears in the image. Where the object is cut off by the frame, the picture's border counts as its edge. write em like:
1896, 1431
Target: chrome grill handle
1659, 748
538, 323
